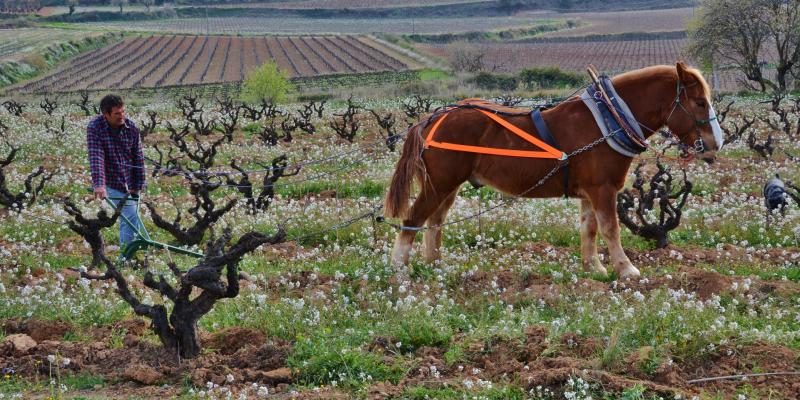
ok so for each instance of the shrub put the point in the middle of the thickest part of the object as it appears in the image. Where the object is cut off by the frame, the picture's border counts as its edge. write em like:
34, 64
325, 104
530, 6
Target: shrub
489, 81
266, 83
546, 78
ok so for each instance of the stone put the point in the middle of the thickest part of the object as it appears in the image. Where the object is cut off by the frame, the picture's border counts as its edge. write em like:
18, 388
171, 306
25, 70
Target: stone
20, 342
143, 374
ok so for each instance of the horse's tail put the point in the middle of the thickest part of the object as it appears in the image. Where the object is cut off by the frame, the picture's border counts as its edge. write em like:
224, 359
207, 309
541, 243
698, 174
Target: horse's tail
409, 166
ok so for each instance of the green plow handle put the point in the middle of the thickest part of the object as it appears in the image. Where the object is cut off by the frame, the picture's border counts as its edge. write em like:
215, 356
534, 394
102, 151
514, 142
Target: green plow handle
143, 237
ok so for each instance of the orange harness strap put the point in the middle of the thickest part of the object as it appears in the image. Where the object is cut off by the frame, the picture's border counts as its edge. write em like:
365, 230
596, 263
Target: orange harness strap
549, 151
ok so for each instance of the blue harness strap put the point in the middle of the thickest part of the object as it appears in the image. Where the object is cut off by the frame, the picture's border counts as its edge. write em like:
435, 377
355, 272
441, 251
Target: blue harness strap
548, 138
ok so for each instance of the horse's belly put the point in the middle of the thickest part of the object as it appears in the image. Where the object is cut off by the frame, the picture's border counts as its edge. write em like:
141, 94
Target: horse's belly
519, 178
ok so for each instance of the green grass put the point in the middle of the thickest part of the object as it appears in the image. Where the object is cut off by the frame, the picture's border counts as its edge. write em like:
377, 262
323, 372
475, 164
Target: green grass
321, 363
499, 393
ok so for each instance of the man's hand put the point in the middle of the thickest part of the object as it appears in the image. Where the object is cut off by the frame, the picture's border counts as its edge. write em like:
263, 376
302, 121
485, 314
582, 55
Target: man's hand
100, 192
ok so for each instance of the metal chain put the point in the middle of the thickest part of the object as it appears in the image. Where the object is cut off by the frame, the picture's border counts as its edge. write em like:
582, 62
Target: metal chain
342, 224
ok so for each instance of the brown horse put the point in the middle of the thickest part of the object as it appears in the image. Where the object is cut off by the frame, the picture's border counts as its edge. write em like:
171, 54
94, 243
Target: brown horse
677, 97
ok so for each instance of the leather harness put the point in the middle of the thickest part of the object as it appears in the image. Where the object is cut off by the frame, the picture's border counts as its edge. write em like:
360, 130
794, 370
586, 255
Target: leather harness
547, 136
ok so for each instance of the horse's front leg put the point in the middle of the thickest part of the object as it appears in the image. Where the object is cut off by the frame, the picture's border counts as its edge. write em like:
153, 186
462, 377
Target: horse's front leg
402, 247
591, 262
604, 202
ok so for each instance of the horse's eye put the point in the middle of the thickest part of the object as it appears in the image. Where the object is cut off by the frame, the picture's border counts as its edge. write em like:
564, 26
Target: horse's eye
701, 103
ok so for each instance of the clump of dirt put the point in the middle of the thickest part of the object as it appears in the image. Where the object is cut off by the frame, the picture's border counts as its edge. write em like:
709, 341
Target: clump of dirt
243, 353
143, 373
37, 329
736, 360
497, 357
229, 341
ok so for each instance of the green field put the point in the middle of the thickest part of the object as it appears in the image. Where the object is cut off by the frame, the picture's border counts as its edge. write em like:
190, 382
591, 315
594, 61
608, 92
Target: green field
508, 313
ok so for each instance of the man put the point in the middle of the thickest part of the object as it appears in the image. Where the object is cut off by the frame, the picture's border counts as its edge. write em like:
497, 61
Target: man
116, 161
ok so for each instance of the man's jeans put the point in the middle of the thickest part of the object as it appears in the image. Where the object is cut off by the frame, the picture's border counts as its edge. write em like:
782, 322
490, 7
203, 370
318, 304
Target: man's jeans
131, 211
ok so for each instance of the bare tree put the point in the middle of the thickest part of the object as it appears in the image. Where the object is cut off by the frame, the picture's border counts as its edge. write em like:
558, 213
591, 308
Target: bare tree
272, 174
193, 113
764, 147
14, 107
466, 57
168, 164
48, 105
636, 206
303, 119
194, 292
86, 105
733, 126
148, 126
205, 213
346, 125
388, 130
31, 189
58, 133
417, 107
787, 115
194, 147
742, 33
231, 112
265, 109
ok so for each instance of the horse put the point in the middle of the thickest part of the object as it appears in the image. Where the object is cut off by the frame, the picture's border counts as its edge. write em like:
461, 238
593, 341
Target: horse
677, 97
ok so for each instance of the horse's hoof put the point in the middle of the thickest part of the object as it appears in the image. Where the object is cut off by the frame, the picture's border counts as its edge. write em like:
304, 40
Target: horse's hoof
595, 267
629, 272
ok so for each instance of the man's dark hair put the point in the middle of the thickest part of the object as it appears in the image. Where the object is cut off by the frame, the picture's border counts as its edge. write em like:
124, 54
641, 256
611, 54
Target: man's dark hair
110, 101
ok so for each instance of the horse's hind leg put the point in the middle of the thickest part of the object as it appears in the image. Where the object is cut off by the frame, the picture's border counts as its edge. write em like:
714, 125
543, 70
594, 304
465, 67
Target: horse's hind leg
433, 235
604, 202
427, 203
591, 262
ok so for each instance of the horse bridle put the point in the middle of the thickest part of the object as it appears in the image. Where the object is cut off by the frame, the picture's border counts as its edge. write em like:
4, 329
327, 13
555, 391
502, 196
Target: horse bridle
699, 145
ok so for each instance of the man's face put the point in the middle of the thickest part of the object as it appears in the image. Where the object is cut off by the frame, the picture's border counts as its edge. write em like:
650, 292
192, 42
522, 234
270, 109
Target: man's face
116, 117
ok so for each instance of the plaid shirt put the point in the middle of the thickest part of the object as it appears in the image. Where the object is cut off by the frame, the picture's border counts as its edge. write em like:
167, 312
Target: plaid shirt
115, 160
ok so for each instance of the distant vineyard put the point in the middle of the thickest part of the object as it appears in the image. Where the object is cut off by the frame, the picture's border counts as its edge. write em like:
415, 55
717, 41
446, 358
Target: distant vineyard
318, 26
611, 57
323, 4
609, 23
157, 61
16, 43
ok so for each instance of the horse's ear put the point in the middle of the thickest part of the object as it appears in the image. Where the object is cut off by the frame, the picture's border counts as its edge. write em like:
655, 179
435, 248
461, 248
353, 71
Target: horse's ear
686, 77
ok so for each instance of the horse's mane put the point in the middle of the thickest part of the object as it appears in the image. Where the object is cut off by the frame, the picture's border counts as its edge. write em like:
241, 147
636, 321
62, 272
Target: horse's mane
667, 70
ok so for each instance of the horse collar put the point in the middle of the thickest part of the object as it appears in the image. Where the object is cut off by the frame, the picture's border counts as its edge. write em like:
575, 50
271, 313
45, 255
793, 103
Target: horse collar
615, 120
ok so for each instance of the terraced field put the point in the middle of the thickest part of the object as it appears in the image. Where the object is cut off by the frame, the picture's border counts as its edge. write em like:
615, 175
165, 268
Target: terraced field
296, 25
16, 43
154, 61
610, 56
609, 23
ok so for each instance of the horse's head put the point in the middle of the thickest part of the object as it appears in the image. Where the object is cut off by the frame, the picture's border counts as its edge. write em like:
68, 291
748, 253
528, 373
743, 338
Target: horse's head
692, 118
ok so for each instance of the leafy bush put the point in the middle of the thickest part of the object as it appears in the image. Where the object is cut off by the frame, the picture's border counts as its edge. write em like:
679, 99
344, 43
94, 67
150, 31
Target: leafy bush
546, 78
267, 82
489, 81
